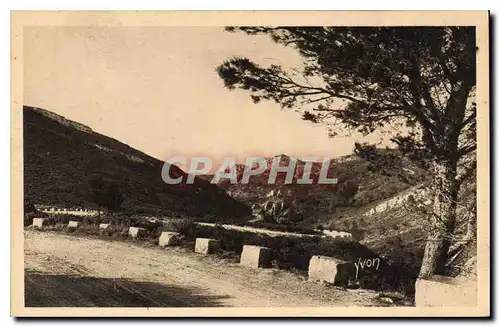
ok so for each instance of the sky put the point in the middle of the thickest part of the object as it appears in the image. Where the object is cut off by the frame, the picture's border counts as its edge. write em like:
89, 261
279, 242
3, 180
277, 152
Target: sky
156, 89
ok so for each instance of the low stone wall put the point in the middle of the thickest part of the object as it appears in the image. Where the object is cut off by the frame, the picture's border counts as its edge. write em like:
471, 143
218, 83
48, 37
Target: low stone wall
442, 291
338, 235
416, 193
267, 232
81, 212
255, 256
206, 245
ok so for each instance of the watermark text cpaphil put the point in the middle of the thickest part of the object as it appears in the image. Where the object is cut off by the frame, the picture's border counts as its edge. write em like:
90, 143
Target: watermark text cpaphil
254, 166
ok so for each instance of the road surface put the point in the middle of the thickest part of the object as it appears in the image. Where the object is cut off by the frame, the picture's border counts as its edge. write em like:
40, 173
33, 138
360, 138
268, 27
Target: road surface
65, 270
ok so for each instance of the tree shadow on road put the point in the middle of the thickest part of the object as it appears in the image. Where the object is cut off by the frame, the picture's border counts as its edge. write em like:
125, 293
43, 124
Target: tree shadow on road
43, 290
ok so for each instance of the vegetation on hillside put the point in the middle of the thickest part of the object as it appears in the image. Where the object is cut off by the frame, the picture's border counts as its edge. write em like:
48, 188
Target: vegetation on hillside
360, 182
62, 159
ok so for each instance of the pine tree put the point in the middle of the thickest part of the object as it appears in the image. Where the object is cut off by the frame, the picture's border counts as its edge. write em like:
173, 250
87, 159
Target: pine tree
419, 79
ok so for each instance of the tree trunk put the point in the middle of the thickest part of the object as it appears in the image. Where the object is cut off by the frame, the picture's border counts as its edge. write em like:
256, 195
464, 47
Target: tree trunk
472, 223
443, 219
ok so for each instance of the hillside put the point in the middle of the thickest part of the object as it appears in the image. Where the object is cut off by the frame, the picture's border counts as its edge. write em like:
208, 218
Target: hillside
370, 200
62, 156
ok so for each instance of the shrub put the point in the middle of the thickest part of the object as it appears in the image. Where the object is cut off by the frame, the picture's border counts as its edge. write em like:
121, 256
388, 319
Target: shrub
348, 189
366, 151
61, 219
105, 194
30, 212
209, 218
28, 219
183, 226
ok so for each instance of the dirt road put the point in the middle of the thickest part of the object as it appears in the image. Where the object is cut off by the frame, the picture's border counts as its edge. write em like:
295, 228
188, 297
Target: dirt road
63, 270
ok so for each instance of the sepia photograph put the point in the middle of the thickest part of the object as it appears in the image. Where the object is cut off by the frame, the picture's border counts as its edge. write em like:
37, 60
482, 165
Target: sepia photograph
250, 164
